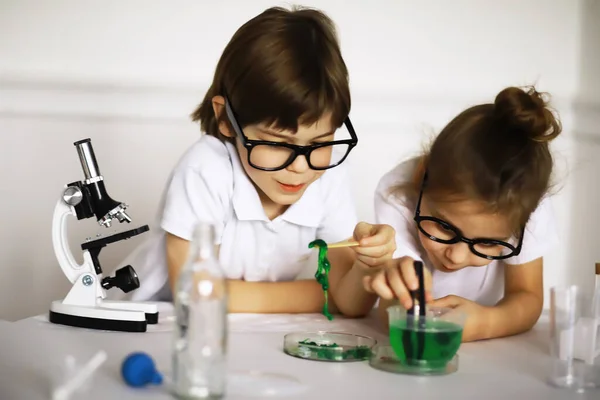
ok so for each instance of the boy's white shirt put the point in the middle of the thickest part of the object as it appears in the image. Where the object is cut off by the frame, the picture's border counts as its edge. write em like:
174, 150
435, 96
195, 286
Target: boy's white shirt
484, 285
210, 184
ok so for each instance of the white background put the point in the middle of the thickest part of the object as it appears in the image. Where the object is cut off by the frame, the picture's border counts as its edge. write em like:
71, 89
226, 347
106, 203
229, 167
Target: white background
128, 73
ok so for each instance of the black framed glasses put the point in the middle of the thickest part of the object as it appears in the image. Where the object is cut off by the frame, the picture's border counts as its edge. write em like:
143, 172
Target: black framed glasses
274, 156
441, 231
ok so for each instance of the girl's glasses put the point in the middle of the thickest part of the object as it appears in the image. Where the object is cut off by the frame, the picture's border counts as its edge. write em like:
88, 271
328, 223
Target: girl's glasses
274, 156
441, 231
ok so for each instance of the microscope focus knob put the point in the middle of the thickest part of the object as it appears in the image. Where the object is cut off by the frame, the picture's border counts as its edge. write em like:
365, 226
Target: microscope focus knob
125, 279
72, 195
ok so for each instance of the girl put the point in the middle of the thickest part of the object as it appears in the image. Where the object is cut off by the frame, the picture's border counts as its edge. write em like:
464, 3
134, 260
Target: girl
269, 174
472, 208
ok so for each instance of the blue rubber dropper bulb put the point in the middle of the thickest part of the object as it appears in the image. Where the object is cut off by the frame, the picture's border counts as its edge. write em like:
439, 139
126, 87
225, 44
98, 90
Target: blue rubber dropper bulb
138, 370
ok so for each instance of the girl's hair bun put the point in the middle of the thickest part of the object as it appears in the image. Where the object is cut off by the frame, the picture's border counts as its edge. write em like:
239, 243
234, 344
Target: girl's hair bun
526, 112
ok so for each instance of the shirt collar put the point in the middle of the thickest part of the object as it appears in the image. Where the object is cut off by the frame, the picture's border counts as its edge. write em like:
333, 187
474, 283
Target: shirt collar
308, 211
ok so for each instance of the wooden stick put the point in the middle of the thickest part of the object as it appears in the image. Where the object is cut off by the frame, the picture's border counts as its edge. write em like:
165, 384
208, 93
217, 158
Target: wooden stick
344, 243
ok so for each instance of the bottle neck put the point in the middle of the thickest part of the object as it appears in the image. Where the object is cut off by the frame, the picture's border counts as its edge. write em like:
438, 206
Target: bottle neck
203, 243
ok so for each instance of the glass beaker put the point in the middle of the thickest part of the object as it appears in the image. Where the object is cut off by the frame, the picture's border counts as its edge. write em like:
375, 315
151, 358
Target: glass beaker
574, 347
425, 344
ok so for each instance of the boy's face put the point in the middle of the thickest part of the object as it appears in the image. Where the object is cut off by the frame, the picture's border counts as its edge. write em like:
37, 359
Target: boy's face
279, 189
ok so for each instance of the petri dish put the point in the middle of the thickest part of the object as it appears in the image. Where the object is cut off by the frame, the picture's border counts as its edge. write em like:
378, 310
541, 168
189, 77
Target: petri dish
328, 346
385, 359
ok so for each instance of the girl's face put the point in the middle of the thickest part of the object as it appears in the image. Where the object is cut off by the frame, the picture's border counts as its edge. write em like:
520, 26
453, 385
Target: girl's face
473, 222
279, 189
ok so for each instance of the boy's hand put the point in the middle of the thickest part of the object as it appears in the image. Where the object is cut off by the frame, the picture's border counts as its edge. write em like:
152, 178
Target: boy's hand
377, 243
477, 315
396, 280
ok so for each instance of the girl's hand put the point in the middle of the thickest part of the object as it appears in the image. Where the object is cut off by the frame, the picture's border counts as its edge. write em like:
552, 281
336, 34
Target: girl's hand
377, 243
477, 315
396, 279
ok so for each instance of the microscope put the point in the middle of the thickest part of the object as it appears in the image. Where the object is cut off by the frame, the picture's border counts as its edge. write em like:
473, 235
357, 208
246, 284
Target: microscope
85, 305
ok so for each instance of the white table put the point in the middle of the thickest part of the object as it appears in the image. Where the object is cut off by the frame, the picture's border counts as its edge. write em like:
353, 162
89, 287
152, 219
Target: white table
510, 368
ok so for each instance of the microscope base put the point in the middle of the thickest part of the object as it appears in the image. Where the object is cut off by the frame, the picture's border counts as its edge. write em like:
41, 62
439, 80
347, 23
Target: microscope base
97, 317
150, 309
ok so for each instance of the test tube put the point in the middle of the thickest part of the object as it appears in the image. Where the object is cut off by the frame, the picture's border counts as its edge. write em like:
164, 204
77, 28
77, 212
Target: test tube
597, 287
573, 348
596, 305
74, 378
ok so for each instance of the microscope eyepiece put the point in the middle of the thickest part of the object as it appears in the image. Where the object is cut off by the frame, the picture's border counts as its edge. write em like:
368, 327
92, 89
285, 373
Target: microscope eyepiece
104, 208
87, 159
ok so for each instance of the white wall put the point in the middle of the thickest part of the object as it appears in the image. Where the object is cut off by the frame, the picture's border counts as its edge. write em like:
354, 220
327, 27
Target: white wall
128, 73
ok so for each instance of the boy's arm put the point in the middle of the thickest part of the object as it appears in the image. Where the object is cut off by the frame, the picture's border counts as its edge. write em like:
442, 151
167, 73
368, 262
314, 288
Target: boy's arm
177, 251
346, 283
304, 296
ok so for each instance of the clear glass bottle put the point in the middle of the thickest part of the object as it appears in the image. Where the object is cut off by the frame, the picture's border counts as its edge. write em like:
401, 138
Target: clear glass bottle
200, 342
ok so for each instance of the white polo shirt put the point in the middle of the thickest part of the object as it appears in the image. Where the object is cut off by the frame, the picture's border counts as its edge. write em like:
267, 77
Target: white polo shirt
484, 285
210, 184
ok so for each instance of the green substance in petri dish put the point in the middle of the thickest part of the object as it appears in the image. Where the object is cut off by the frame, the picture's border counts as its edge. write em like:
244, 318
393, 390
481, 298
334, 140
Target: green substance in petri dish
358, 353
441, 342
333, 351
311, 343
322, 274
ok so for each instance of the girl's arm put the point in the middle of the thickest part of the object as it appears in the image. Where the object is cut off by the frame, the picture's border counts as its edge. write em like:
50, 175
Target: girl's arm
516, 313
523, 300
304, 296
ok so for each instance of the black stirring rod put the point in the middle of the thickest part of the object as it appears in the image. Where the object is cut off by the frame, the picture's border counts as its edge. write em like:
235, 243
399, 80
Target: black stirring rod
410, 317
422, 309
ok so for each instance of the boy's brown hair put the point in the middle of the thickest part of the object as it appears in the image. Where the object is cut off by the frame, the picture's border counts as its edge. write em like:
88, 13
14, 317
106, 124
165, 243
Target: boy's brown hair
497, 154
281, 68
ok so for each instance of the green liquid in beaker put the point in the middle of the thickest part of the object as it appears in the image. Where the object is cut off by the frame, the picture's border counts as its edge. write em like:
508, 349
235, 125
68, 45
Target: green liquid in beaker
441, 342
